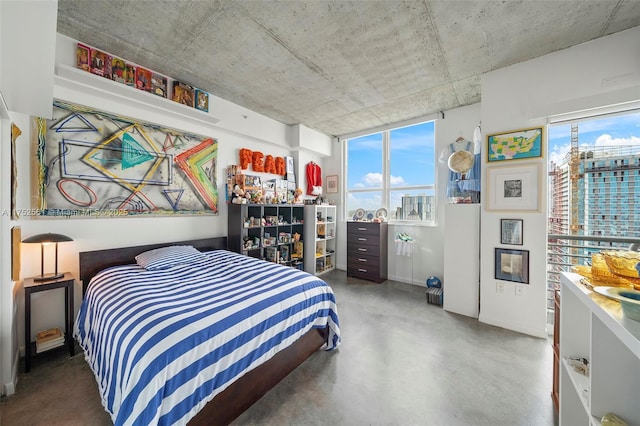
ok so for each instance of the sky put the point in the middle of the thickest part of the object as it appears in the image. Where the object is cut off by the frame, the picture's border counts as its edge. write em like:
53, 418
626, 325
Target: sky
607, 131
412, 158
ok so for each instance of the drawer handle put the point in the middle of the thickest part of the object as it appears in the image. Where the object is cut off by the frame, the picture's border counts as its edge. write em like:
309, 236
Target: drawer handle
362, 270
362, 239
362, 249
362, 260
362, 229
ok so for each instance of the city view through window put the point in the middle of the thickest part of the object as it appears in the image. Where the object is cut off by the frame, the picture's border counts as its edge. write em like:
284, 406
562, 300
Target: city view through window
594, 189
393, 173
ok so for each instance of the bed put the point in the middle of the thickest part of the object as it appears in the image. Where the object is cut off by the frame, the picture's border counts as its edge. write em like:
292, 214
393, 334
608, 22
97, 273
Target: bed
198, 341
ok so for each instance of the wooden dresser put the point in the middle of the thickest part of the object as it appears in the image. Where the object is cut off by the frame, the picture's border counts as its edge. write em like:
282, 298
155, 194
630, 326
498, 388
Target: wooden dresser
367, 250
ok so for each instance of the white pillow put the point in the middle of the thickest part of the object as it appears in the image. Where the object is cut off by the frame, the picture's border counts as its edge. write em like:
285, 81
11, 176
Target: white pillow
166, 257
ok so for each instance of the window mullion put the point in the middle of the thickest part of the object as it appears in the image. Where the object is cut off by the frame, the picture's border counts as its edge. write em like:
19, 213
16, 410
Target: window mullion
386, 169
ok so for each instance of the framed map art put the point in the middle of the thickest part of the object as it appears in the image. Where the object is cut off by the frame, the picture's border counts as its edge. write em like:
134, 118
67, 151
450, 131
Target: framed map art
94, 163
518, 144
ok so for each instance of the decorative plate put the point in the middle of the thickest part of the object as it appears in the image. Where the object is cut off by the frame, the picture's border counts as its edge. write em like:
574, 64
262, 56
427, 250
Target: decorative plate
381, 213
628, 298
369, 216
359, 213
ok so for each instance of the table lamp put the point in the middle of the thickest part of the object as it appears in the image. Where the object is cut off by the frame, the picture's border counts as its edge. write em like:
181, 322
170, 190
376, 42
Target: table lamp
45, 239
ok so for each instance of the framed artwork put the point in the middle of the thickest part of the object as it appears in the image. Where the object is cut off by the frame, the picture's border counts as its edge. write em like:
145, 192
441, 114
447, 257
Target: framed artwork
83, 57
183, 93
202, 100
143, 79
159, 85
100, 63
118, 70
129, 74
518, 144
109, 165
511, 231
513, 188
512, 265
332, 184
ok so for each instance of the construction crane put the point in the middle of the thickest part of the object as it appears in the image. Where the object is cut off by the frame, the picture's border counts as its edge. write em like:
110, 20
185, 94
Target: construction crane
576, 227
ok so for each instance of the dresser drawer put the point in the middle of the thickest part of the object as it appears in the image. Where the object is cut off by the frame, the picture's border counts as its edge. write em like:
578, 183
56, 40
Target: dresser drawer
364, 272
358, 260
369, 228
356, 249
363, 239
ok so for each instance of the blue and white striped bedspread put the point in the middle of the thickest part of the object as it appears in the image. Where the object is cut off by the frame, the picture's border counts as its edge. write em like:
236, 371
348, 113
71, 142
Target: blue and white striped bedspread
164, 343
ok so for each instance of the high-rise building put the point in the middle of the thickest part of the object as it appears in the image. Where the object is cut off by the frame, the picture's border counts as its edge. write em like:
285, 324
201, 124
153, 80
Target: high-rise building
593, 193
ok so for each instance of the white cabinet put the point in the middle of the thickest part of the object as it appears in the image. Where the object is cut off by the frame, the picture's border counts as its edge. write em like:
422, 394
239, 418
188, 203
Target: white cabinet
461, 281
593, 327
319, 238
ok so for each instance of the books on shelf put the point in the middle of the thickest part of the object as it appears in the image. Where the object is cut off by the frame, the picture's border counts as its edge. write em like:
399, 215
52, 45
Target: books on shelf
49, 339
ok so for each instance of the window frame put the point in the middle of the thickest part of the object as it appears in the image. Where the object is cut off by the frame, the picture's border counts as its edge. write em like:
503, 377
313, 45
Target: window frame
386, 189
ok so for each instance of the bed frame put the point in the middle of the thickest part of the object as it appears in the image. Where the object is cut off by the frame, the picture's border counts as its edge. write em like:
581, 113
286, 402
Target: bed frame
241, 394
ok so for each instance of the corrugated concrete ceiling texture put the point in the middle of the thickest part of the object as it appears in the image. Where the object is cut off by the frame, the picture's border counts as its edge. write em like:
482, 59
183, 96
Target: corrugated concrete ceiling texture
339, 66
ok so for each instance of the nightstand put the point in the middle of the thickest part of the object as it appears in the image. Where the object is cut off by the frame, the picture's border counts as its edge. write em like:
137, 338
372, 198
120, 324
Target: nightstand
30, 287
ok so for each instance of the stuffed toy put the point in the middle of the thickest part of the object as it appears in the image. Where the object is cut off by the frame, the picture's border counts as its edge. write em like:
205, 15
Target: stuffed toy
297, 196
237, 196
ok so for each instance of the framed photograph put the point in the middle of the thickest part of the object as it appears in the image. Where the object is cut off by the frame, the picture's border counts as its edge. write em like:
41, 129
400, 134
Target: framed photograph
511, 231
100, 63
83, 57
129, 74
512, 265
118, 70
183, 93
159, 85
202, 100
513, 188
332, 184
143, 79
518, 144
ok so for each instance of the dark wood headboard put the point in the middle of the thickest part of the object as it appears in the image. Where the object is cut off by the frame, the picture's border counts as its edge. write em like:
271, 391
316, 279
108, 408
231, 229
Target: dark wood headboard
92, 262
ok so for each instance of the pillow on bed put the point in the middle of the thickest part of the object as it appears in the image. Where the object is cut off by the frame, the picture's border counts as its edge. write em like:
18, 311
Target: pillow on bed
166, 257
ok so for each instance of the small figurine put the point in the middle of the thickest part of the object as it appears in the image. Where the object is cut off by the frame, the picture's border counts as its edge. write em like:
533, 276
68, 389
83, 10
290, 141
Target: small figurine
297, 196
237, 196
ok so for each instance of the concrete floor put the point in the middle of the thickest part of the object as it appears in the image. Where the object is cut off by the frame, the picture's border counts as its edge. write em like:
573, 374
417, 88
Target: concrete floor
402, 362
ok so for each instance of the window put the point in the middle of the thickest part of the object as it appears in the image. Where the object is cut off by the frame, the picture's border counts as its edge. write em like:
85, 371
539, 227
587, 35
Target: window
394, 170
593, 202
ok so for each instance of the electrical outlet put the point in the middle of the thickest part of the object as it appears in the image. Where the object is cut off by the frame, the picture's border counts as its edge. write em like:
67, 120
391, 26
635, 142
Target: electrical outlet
499, 287
519, 290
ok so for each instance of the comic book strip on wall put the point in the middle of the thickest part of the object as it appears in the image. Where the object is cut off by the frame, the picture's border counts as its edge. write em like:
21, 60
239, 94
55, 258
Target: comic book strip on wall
94, 163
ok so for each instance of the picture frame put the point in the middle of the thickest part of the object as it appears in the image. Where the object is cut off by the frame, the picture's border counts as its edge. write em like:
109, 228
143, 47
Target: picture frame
183, 93
511, 231
159, 85
83, 57
332, 184
513, 188
118, 70
515, 145
143, 79
100, 63
512, 265
202, 100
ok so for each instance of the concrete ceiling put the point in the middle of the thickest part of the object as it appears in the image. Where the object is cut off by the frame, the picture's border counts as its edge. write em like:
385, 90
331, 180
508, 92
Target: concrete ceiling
339, 66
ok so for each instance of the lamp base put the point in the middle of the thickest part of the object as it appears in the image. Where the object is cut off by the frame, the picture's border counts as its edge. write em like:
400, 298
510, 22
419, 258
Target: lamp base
48, 277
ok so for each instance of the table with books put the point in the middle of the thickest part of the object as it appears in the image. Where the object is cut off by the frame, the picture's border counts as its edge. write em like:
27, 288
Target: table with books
53, 337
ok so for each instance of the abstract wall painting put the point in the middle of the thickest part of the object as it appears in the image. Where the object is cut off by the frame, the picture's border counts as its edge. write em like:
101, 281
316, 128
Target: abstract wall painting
94, 163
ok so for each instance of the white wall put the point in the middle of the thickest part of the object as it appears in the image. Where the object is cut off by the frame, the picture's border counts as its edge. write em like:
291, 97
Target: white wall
234, 127
598, 73
428, 251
